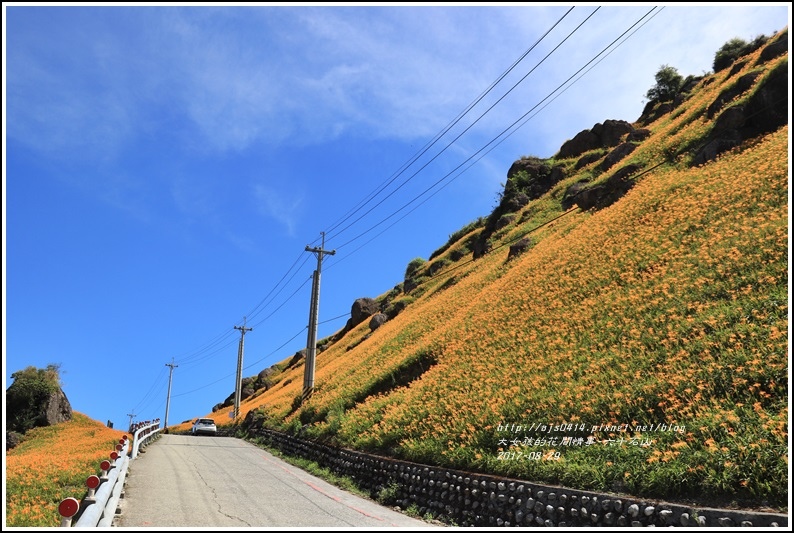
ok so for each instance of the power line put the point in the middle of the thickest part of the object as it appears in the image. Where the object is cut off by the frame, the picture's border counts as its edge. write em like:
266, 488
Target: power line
437, 138
255, 311
262, 359
291, 296
524, 234
335, 318
459, 136
150, 394
215, 346
259, 307
500, 134
264, 302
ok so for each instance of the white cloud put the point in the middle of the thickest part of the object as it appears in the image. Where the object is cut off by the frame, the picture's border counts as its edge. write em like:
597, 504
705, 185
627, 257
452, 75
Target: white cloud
286, 210
217, 80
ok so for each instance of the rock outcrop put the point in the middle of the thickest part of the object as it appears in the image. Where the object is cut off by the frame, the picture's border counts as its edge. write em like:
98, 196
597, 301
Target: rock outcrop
605, 135
57, 409
765, 111
35, 399
601, 194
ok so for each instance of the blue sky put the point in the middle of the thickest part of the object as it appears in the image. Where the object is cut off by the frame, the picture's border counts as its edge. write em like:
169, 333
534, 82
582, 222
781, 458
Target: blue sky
165, 167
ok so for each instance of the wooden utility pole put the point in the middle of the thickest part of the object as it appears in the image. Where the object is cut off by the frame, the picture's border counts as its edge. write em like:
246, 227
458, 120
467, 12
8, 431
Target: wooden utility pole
239, 383
314, 312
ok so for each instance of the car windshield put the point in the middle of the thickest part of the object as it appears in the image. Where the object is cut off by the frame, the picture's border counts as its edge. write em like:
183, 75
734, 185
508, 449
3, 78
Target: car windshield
206, 421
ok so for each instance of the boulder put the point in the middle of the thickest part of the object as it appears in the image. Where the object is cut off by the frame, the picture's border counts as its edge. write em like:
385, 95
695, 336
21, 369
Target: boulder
505, 220
409, 285
264, 374
587, 159
742, 85
764, 112
638, 135
362, 309
568, 199
377, 321
518, 248
254, 419
729, 122
611, 132
712, 149
395, 308
481, 247
767, 110
12, 439
774, 49
584, 141
619, 153
607, 192
539, 177
35, 399
737, 67
515, 202
605, 135
57, 409
653, 110
297, 358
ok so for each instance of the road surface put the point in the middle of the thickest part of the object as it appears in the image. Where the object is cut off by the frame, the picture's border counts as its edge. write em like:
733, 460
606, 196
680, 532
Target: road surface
203, 481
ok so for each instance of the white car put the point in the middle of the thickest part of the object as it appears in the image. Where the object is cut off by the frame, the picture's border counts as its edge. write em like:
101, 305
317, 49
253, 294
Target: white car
204, 426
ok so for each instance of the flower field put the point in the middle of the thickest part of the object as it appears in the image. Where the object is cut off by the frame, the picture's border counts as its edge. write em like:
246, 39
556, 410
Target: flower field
51, 464
641, 348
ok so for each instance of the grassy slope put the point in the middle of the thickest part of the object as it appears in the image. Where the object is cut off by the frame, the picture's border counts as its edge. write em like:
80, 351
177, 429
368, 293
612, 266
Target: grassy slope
669, 307
53, 463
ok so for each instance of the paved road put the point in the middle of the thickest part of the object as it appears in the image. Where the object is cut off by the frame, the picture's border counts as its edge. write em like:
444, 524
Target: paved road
187, 481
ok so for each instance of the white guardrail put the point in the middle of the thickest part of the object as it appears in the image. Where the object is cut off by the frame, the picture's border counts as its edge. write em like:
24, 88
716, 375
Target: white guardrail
98, 508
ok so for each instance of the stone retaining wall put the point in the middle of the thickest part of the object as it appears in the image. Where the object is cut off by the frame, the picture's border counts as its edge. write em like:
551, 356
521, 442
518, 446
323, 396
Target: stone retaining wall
470, 499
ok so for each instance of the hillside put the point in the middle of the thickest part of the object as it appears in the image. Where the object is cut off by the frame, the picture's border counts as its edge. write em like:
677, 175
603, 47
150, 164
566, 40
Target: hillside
50, 464
637, 339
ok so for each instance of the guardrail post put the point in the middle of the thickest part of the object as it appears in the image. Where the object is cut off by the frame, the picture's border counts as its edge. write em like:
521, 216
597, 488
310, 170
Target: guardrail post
96, 502
67, 509
99, 506
113, 500
144, 432
105, 467
92, 483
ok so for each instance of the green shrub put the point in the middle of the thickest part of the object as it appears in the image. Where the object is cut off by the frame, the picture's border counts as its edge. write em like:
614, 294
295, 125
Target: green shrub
728, 53
413, 267
388, 494
668, 83
31, 389
734, 49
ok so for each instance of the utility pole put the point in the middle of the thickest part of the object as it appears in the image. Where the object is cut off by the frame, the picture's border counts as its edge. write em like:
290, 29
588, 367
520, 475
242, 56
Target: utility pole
314, 312
239, 384
168, 399
131, 415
